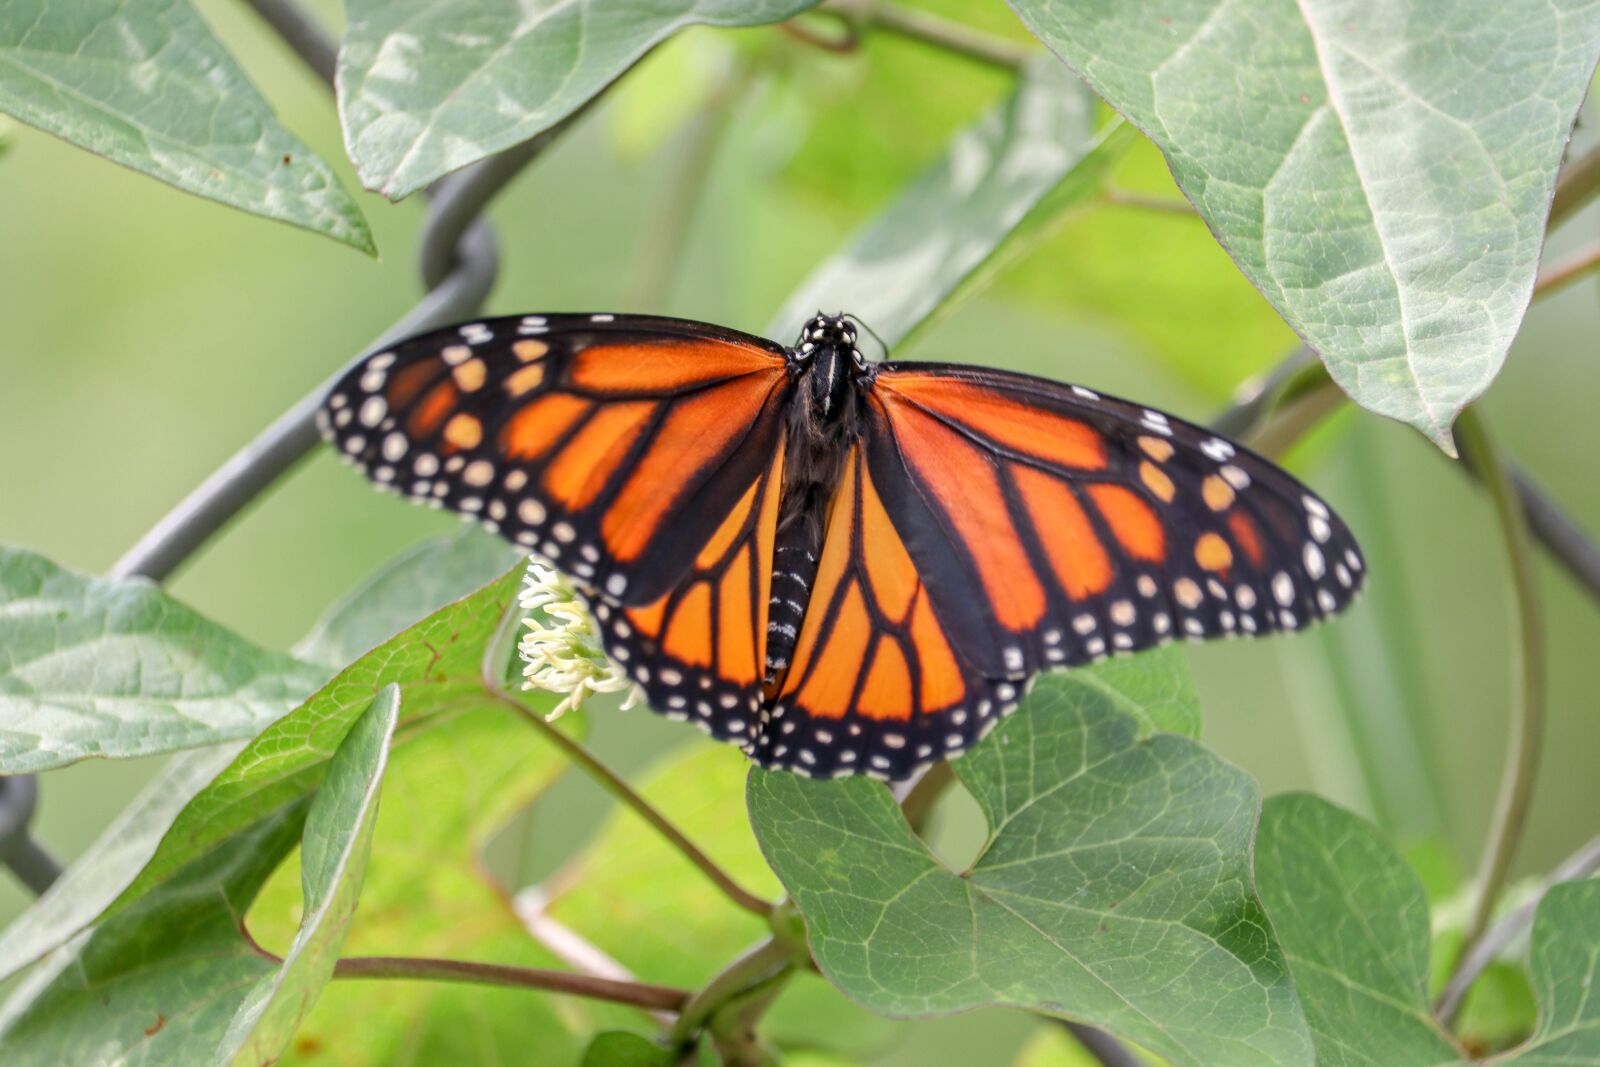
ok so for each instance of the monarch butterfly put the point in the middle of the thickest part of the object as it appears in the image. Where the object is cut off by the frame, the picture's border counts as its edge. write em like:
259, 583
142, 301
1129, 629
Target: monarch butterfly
842, 566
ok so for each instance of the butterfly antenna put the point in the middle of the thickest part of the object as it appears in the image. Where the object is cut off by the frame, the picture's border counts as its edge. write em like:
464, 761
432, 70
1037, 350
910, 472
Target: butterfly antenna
881, 342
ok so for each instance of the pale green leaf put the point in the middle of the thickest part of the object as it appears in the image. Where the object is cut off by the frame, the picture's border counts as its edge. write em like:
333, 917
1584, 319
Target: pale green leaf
90, 667
146, 84
333, 849
1382, 172
619, 1048
429, 86
1037, 147
1115, 886
1353, 922
417, 583
437, 664
158, 983
110, 865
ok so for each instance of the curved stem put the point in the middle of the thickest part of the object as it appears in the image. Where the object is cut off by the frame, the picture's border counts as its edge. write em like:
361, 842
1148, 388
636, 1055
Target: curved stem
928, 28
1565, 271
492, 671
1579, 183
638, 994
1527, 707
750, 972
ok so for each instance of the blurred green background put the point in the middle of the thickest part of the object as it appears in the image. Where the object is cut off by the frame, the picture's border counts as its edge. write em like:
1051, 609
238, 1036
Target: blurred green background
145, 335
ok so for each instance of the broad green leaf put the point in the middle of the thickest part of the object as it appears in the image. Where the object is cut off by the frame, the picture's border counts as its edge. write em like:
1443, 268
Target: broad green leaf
429, 86
1564, 960
417, 583
158, 983
146, 84
451, 784
1381, 172
1038, 146
1353, 923
437, 664
333, 851
620, 1048
110, 865
1115, 886
90, 668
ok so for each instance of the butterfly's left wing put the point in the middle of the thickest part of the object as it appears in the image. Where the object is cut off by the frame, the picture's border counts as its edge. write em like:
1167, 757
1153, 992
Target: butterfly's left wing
991, 525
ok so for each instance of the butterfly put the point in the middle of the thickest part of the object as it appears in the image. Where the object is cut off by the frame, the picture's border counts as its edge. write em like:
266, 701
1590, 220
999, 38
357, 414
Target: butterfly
843, 566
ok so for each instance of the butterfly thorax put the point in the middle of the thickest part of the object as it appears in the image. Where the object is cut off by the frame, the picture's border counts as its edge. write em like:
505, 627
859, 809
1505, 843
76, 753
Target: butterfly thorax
824, 420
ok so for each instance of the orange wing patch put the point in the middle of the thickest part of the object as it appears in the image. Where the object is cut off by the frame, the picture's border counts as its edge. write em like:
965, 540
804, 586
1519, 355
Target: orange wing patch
887, 692
1079, 560
688, 637
1019, 427
633, 368
1134, 522
696, 432
535, 429
585, 465
967, 487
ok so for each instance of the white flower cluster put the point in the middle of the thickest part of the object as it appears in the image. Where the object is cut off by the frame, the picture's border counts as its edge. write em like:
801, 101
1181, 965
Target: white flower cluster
561, 650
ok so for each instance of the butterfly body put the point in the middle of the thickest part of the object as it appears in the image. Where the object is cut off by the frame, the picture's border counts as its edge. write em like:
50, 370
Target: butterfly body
842, 566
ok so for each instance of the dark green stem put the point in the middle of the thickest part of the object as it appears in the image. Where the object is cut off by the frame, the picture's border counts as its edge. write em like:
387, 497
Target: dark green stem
1527, 665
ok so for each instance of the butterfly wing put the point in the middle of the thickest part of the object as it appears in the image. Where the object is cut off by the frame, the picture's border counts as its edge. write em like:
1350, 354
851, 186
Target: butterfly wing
991, 525
616, 446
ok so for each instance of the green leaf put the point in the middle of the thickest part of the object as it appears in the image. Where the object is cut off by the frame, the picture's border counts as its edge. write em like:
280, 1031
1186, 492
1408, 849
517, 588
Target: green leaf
90, 667
110, 865
1564, 961
333, 848
1381, 172
1115, 886
619, 1048
146, 84
452, 783
417, 583
429, 86
437, 665
1036, 148
158, 983
1353, 921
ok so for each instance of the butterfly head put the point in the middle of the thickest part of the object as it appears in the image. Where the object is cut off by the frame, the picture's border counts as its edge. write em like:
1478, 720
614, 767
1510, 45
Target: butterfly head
827, 356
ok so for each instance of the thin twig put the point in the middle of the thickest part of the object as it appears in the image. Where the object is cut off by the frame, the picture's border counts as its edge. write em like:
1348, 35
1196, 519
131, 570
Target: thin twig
638, 994
928, 28
493, 670
1564, 272
1581, 864
1579, 183
1169, 205
1103, 1047
1527, 708
27, 859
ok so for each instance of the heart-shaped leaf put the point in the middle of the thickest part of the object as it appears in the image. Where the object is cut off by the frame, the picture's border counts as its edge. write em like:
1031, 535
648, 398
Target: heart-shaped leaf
1114, 887
146, 84
1381, 172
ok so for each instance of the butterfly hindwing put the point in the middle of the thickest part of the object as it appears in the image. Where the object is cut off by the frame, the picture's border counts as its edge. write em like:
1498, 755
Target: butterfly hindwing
613, 445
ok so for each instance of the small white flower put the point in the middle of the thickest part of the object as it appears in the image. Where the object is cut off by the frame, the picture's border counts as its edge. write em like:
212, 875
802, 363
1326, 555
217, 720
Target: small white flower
561, 650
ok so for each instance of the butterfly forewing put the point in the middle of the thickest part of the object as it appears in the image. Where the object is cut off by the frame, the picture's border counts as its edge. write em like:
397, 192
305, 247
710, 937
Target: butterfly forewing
1054, 526
616, 448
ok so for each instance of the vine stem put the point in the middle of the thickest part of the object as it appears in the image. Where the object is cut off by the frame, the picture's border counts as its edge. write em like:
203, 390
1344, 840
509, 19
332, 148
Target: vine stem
1564, 272
494, 659
931, 29
769, 961
637, 994
1578, 184
1527, 707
